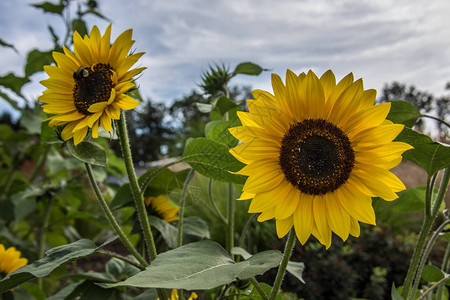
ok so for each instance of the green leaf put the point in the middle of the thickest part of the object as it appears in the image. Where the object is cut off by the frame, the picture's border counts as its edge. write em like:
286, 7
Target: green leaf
218, 130
432, 273
296, 269
79, 26
50, 7
5, 44
395, 295
212, 159
431, 156
240, 251
88, 152
204, 107
55, 257
194, 229
164, 182
248, 68
11, 102
221, 106
14, 83
31, 122
36, 60
412, 199
403, 112
260, 263
49, 134
120, 269
197, 266
70, 291
254, 295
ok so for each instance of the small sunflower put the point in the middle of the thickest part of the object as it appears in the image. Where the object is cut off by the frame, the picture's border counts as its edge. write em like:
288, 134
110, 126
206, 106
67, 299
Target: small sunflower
86, 89
10, 260
174, 295
162, 208
316, 152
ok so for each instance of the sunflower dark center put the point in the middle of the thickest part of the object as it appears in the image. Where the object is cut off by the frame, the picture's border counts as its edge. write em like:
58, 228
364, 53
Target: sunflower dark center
92, 85
316, 156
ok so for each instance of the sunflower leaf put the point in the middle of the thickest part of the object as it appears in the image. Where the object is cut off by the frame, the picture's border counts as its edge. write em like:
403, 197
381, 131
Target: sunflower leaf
403, 112
431, 156
55, 257
218, 130
248, 68
88, 152
212, 159
432, 273
222, 107
202, 265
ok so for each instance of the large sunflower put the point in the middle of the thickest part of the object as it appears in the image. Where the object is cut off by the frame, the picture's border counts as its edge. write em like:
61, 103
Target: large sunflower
316, 152
10, 260
87, 88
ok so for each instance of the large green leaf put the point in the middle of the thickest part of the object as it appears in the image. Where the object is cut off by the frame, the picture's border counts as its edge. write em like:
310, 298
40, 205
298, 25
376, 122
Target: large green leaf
412, 199
403, 112
432, 273
296, 269
223, 108
88, 152
212, 159
55, 257
248, 68
218, 130
431, 156
199, 266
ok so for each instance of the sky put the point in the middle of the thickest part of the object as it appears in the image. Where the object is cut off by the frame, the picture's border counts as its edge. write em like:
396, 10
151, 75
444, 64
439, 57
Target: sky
380, 41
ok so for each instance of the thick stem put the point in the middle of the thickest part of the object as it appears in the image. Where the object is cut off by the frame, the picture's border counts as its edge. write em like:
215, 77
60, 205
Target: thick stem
182, 204
282, 270
425, 230
117, 229
134, 185
43, 236
259, 289
425, 255
230, 220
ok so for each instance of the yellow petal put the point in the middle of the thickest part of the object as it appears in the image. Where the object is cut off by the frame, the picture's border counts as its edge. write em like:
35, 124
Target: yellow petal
105, 121
321, 222
303, 218
79, 135
126, 102
283, 226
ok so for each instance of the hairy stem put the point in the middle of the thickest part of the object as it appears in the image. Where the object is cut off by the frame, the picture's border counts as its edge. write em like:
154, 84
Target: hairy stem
182, 204
282, 269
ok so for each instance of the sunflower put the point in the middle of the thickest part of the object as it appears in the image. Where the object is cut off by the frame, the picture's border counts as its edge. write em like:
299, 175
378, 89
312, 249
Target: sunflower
161, 207
10, 260
174, 295
315, 154
86, 89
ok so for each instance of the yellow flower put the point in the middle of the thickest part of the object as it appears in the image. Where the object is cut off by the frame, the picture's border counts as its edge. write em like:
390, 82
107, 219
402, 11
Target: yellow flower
10, 260
174, 295
315, 154
87, 87
162, 207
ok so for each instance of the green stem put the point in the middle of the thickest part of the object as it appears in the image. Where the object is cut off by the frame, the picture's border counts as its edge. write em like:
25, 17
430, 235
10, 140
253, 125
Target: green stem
437, 119
117, 229
259, 288
282, 270
230, 221
424, 231
122, 258
444, 269
43, 236
182, 204
425, 255
429, 193
216, 208
439, 283
151, 176
134, 185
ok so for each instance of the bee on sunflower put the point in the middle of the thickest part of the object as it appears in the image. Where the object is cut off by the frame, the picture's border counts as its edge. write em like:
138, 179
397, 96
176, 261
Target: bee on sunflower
86, 89
316, 152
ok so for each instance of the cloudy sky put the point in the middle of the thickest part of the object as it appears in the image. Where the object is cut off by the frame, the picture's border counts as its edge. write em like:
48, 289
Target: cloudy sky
380, 41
